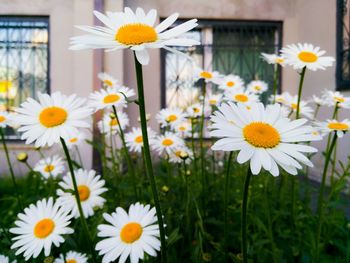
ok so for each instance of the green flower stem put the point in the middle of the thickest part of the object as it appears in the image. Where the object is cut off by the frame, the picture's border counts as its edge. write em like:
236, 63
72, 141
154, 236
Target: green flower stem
77, 198
131, 169
193, 147
320, 196
201, 135
244, 216
227, 178
301, 82
79, 155
10, 168
148, 160
275, 77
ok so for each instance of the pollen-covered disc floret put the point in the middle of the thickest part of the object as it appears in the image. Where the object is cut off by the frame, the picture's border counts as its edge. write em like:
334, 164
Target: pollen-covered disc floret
306, 55
52, 117
170, 117
72, 257
134, 139
109, 125
111, 96
50, 167
134, 30
263, 136
339, 127
129, 234
40, 226
90, 187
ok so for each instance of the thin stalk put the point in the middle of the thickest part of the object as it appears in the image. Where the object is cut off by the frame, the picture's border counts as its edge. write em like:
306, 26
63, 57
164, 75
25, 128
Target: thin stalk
131, 170
79, 155
275, 76
193, 146
227, 177
301, 82
77, 198
244, 216
320, 196
201, 135
10, 168
148, 160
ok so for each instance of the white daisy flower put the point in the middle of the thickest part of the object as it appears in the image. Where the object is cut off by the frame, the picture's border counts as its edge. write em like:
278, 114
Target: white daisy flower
195, 110
5, 118
257, 86
291, 102
318, 101
72, 257
263, 136
230, 82
167, 143
90, 187
76, 140
340, 127
39, 227
134, 139
135, 31
180, 154
109, 124
51, 166
107, 80
273, 59
213, 99
54, 116
129, 234
306, 55
208, 76
335, 98
4, 259
166, 117
183, 129
241, 96
106, 98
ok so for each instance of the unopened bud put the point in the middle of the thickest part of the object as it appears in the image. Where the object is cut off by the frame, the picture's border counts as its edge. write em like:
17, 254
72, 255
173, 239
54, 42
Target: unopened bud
165, 189
22, 157
183, 155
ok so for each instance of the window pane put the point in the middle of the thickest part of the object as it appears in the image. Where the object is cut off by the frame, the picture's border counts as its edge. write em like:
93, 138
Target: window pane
23, 61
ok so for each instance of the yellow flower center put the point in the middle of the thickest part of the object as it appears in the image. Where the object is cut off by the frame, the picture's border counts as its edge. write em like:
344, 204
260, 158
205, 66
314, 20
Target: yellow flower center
73, 140
2, 118
5, 86
53, 116
178, 153
307, 56
339, 99
212, 102
182, 128
108, 82
113, 122
294, 106
280, 100
171, 118
196, 110
167, 142
279, 60
84, 192
111, 98
241, 98
136, 34
206, 75
71, 261
339, 126
139, 139
49, 168
131, 232
261, 135
257, 88
44, 228
230, 84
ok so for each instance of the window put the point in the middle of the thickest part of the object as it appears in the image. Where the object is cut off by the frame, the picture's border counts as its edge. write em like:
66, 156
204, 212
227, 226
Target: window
230, 47
343, 54
24, 61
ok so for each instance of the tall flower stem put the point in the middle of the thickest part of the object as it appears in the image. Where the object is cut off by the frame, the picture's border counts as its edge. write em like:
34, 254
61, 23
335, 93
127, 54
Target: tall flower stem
320, 196
10, 168
275, 77
201, 139
244, 216
300, 89
148, 160
227, 177
77, 198
131, 169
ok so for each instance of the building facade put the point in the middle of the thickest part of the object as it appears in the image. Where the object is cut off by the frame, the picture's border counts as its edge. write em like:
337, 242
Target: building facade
227, 29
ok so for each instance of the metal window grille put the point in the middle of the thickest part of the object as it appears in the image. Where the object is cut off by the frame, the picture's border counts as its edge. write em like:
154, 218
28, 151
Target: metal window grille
230, 47
343, 45
24, 61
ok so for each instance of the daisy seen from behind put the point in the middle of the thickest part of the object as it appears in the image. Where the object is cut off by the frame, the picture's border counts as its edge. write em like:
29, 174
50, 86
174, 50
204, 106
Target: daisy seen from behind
39, 227
90, 187
273, 59
264, 137
336, 99
109, 124
53, 117
129, 234
50, 167
306, 55
339, 127
135, 31
72, 257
